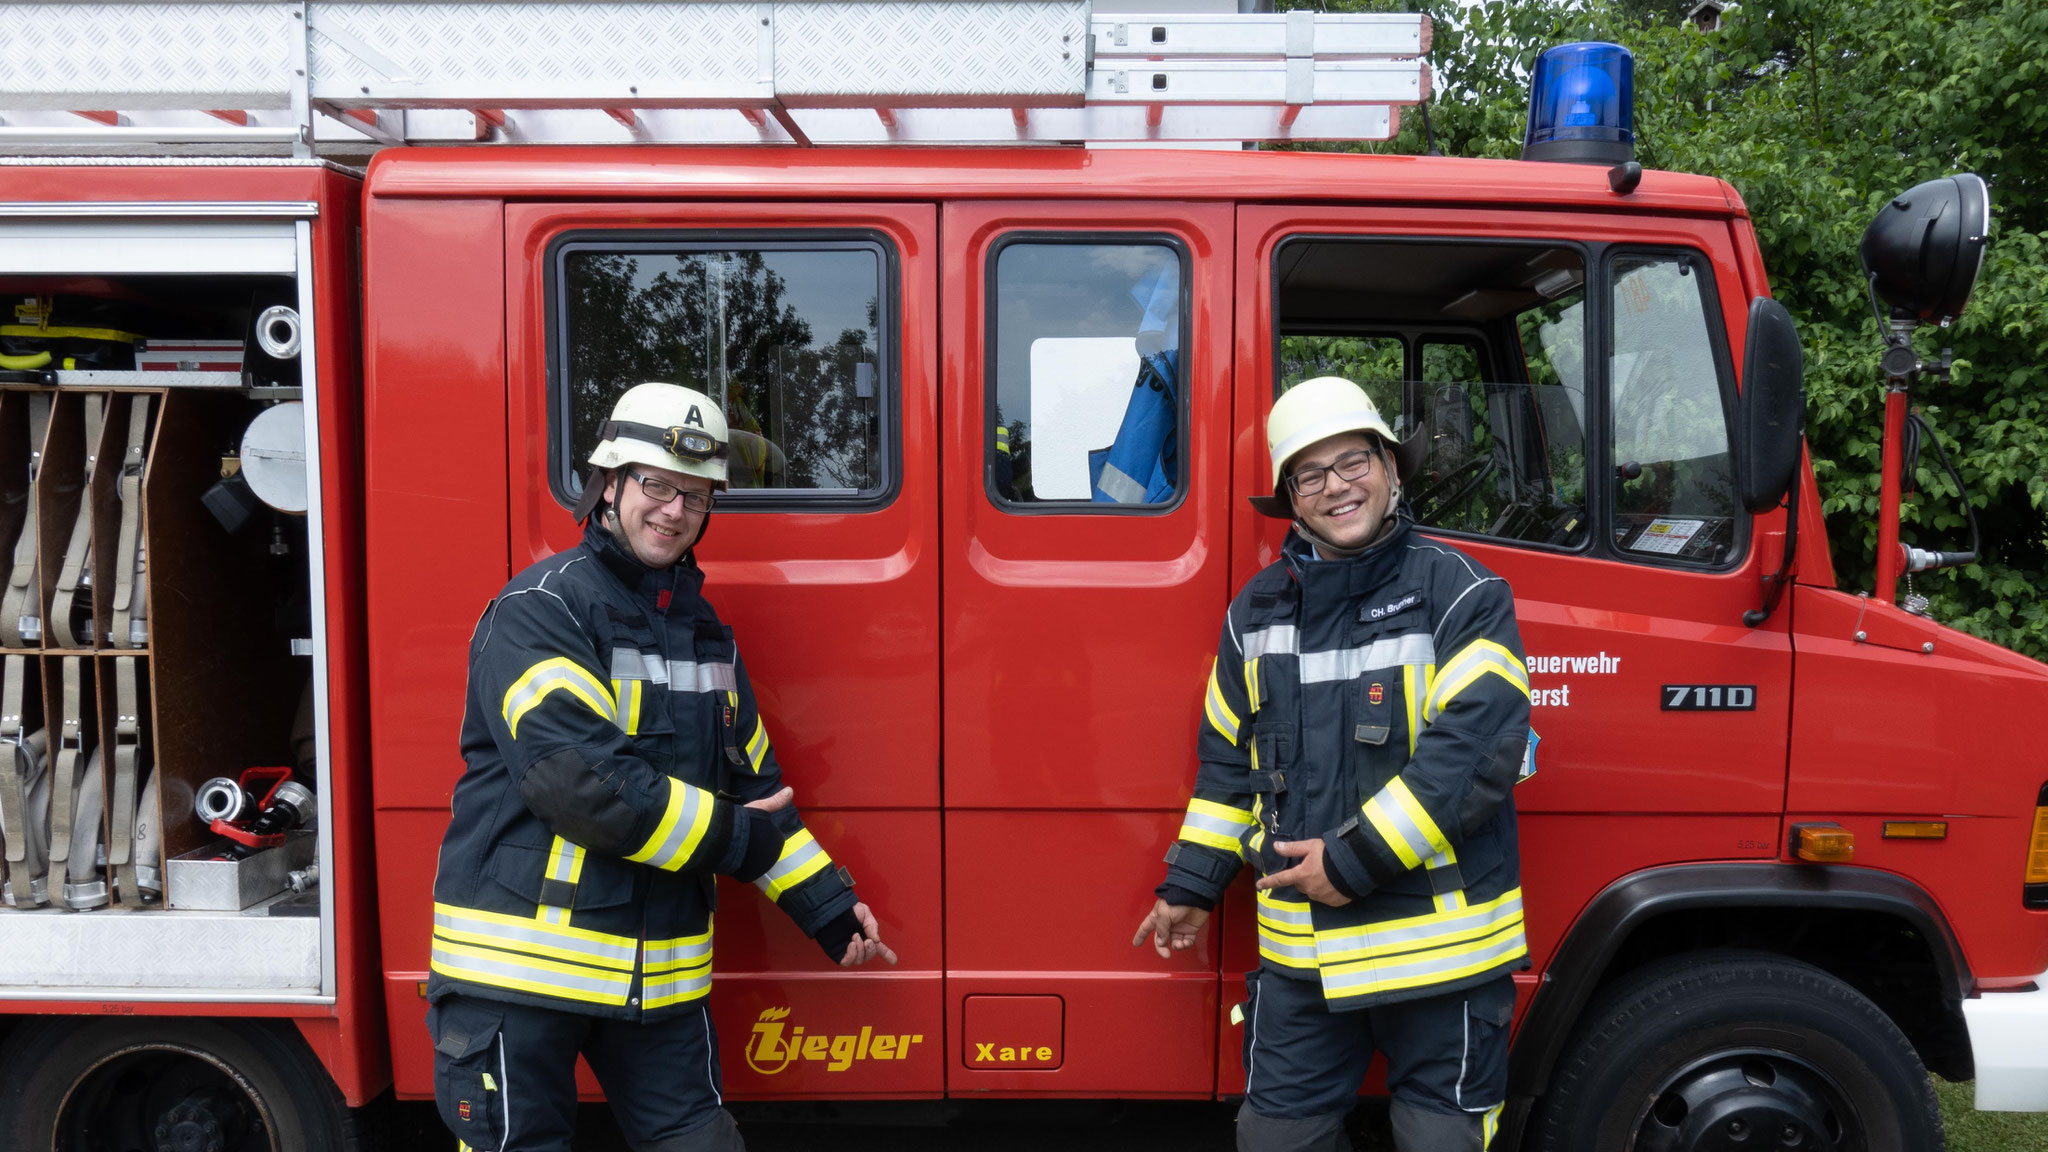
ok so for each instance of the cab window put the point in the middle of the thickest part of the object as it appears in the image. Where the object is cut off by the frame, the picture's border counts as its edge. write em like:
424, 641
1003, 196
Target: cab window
790, 336
1491, 370
1674, 482
1086, 398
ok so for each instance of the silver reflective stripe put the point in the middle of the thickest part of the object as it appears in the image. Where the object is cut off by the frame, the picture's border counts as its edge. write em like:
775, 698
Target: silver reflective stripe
689, 676
1276, 639
1281, 914
788, 865
1281, 946
609, 954
1407, 972
1483, 917
1119, 487
1351, 663
600, 986
669, 853
547, 681
658, 990
633, 664
665, 954
1229, 829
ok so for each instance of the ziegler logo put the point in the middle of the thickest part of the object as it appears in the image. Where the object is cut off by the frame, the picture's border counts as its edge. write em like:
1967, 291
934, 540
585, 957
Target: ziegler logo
770, 1051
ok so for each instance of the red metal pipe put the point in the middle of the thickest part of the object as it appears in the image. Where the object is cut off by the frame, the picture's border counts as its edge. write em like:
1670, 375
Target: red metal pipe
1890, 557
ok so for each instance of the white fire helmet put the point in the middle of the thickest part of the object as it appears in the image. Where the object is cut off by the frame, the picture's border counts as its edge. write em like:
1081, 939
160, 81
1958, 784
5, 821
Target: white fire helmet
1313, 411
666, 426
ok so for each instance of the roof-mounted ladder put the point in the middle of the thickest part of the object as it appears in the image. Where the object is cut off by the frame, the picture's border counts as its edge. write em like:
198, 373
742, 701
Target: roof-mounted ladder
347, 75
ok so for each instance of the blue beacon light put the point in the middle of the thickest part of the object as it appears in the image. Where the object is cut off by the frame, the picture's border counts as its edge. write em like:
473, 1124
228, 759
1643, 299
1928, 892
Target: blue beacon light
1582, 105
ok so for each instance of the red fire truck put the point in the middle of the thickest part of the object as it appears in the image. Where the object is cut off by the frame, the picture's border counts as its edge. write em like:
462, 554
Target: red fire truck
1749, 901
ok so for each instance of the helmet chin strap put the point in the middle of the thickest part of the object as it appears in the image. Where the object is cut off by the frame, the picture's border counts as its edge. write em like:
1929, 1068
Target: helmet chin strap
1331, 551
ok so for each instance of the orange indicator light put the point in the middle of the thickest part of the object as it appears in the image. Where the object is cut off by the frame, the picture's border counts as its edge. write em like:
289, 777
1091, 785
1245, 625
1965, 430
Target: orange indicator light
2037, 849
1916, 829
1823, 843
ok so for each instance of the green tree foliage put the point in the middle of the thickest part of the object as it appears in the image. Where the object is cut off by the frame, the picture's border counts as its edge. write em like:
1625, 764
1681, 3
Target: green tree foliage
1818, 111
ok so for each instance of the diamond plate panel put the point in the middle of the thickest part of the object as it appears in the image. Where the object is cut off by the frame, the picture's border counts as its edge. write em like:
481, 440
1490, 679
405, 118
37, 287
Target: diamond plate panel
191, 952
963, 54
146, 55
506, 54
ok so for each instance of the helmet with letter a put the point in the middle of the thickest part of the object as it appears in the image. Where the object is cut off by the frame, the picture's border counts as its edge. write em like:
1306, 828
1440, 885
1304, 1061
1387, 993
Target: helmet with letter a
1313, 411
662, 426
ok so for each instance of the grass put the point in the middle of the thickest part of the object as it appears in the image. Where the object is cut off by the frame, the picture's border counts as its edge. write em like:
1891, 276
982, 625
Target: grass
1973, 1131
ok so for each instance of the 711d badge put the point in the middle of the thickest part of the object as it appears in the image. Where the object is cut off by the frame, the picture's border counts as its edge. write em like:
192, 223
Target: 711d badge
1709, 698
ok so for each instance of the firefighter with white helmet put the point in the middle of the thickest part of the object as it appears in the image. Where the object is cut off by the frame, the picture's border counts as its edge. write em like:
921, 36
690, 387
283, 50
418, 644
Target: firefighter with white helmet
1363, 725
616, 762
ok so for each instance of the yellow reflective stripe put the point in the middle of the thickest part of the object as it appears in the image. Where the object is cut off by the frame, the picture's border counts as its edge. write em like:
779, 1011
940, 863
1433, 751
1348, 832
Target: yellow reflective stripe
1401, 822
680, 952
757, 746
498, 969
565, 863
627, 692
1490, 1126
1414, 684
1214, 825
662, 989
1219, 713
1421, 969
524, 933
802, 857
559, 672
1286, 932
681, 831
1479, 658
1420, 934
1251, 684
1451, 901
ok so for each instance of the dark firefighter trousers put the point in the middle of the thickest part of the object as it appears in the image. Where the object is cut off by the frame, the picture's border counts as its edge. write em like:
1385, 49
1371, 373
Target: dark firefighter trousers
1447, 1066
505, 1077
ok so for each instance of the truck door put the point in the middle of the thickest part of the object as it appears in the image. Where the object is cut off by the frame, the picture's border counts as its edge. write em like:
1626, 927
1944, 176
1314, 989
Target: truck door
814, 325
1576, 398
1086, 422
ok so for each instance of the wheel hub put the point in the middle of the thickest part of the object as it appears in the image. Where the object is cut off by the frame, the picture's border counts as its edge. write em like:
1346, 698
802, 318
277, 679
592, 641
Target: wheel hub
1743, 1102
199, 1123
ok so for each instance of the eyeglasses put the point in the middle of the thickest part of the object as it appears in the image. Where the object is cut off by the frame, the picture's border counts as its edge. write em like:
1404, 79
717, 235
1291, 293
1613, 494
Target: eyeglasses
661, 492
1350, 466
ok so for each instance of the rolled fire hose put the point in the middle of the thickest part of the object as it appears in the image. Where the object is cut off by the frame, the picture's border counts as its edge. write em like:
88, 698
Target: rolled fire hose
70, 751
19, 623
25, 821
149, 845
129, 629
128, 768
84, 885
70, 578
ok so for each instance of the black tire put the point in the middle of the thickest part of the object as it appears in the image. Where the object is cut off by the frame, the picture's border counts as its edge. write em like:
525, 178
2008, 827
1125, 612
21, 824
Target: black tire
1729, 1050
71, 1084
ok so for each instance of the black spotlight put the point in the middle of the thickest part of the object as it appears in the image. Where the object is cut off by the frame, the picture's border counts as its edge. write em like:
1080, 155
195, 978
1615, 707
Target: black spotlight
1923, 252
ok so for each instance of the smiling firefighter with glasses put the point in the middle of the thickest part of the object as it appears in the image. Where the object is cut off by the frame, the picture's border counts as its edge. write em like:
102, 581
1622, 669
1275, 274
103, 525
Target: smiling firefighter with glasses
1363, 725
616, 763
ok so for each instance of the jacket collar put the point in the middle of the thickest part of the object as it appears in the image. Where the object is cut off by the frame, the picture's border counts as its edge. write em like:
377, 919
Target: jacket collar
1324, 581
682, 579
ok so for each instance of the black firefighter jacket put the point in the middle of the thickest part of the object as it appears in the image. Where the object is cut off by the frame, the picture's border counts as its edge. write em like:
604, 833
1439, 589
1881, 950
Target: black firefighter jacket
1380, 703
611, 739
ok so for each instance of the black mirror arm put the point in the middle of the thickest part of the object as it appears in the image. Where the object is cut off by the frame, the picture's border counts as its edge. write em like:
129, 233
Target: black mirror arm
1778, 580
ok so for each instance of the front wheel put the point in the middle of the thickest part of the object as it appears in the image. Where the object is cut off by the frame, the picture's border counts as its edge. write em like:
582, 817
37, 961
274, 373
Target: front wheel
100, 1085
1725, 1051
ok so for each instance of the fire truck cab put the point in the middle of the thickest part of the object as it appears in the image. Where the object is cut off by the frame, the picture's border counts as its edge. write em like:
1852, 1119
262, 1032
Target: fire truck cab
997, 415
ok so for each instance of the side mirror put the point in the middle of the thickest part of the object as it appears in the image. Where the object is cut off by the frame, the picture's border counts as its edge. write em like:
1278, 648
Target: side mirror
1924, 250
1773, 412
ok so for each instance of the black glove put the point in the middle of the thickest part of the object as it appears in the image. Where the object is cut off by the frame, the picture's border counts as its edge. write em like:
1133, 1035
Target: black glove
837, 934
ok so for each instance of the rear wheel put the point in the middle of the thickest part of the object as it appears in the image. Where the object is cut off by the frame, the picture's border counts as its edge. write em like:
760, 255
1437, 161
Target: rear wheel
1737, 1051
190, 1085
